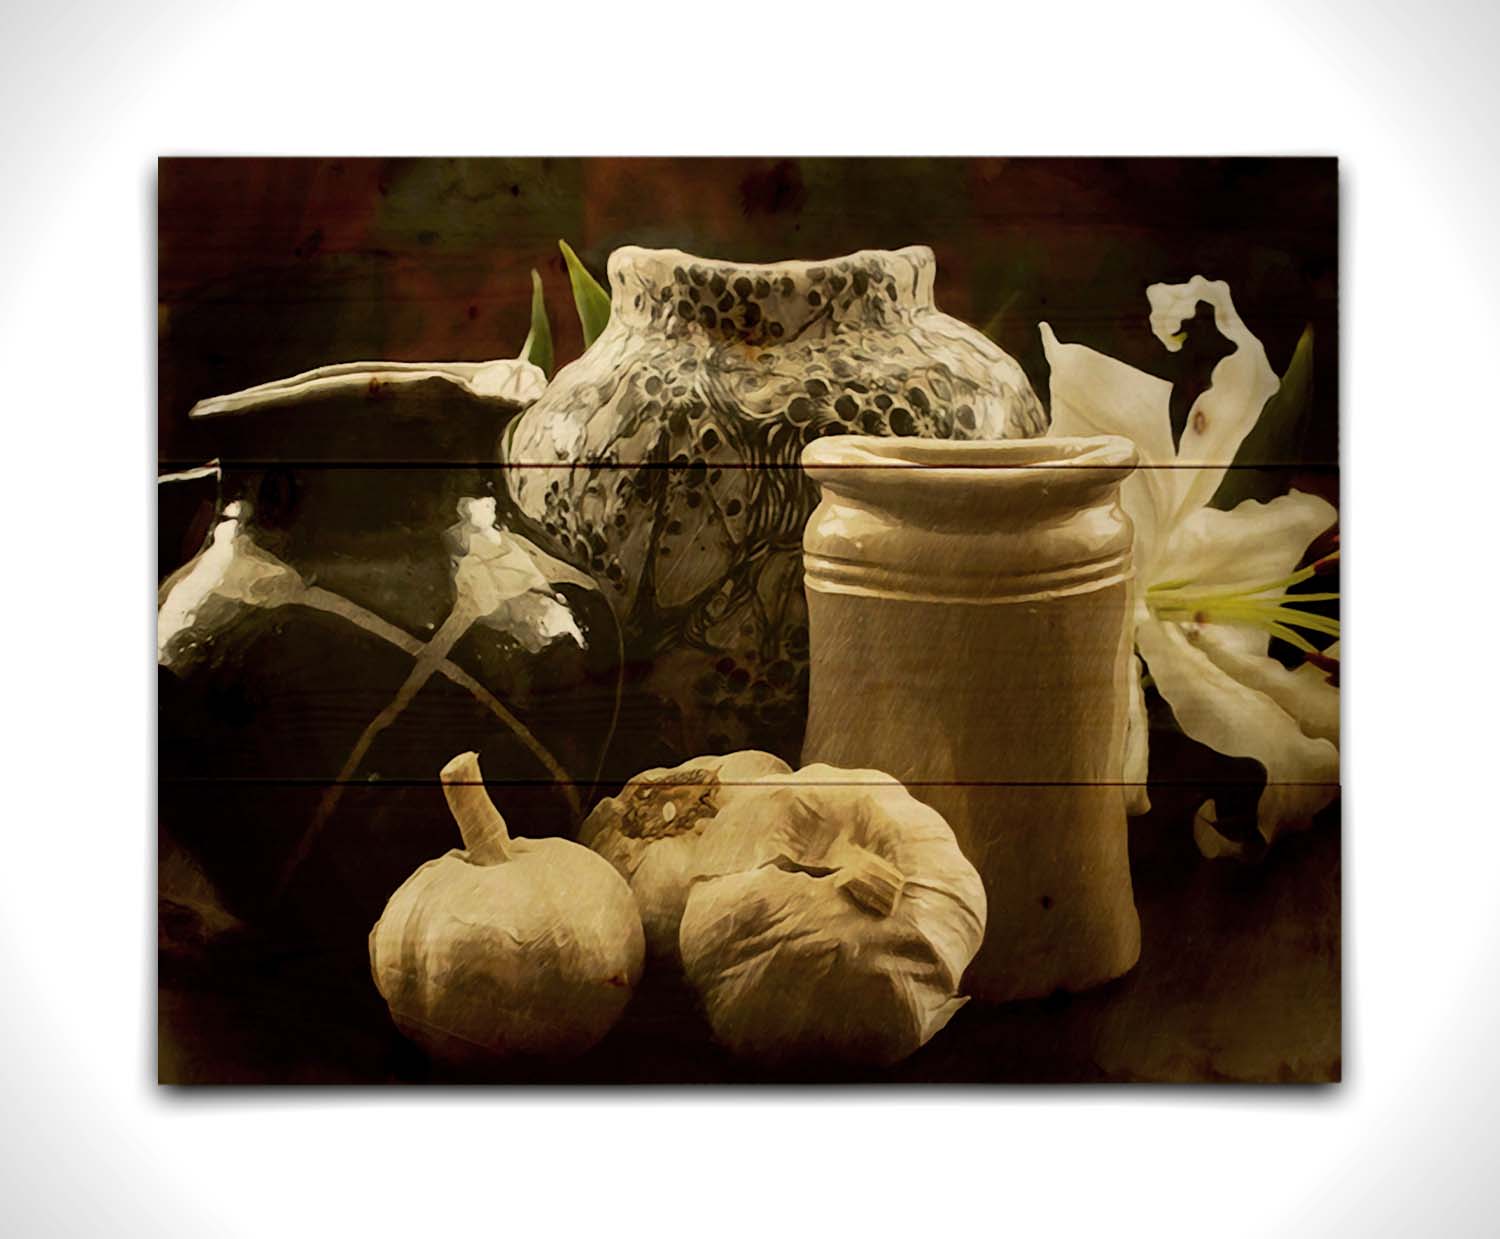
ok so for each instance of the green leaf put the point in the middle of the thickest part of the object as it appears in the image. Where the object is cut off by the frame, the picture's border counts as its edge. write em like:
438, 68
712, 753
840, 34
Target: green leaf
538, 347
590, 298
1277, 438
996, 321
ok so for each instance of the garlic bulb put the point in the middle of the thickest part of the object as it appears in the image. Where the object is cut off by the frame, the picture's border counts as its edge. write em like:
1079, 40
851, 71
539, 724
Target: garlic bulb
848, 938
508, 946
652, 832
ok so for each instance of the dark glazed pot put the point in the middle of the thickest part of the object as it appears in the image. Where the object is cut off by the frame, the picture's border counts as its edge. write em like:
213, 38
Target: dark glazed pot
665, 460
301, 732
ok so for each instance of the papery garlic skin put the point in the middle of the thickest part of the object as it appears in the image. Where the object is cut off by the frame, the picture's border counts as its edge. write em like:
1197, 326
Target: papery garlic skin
508, 947
849, 943
652, 833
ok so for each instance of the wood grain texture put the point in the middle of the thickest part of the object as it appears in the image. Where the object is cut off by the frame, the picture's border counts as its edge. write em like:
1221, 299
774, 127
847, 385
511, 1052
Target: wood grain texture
269, 267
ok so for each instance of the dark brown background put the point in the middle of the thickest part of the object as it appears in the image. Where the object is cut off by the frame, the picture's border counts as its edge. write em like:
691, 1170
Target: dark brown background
271, 266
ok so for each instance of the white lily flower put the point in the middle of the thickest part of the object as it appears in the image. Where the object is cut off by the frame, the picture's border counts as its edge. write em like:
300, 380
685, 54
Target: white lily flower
1210, 587
509, 583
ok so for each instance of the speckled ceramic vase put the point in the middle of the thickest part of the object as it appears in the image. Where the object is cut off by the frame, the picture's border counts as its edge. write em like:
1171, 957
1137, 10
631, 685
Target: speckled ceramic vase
665, 461
968, 606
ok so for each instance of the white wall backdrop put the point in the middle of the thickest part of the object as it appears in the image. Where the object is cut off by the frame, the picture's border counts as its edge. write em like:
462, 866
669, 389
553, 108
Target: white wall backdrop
1406, 95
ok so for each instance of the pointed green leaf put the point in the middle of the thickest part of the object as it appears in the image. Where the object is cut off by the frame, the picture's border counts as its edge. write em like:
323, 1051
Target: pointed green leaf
538, 347
996, 321
1277, 437
590, 298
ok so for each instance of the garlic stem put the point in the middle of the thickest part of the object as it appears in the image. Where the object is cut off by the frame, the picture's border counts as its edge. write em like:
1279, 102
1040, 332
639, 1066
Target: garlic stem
869, 880
479, 822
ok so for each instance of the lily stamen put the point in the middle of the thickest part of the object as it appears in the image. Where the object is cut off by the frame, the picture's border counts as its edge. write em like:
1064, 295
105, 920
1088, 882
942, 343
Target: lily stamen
1263, 605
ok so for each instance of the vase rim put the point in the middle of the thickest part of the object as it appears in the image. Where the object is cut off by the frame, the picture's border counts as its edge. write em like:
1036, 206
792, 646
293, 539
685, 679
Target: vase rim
903, 452
763, 301
1046, 472
640, 255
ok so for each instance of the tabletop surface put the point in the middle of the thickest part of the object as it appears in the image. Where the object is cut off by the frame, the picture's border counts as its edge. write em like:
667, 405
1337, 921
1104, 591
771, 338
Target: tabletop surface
1238, 981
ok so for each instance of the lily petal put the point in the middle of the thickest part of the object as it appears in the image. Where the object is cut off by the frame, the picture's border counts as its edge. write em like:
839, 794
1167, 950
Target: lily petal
493, 566
1320, 676
534, 620
1218, 710
1241, 384
1244, 639
1248, 545
553, 569
494, 573
1303, 694
1213, 845
503, 581
1285, 807
1092, 394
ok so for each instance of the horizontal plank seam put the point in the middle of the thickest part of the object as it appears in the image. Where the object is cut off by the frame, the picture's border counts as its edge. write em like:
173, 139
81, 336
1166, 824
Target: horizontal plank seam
298, 781
175, 465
